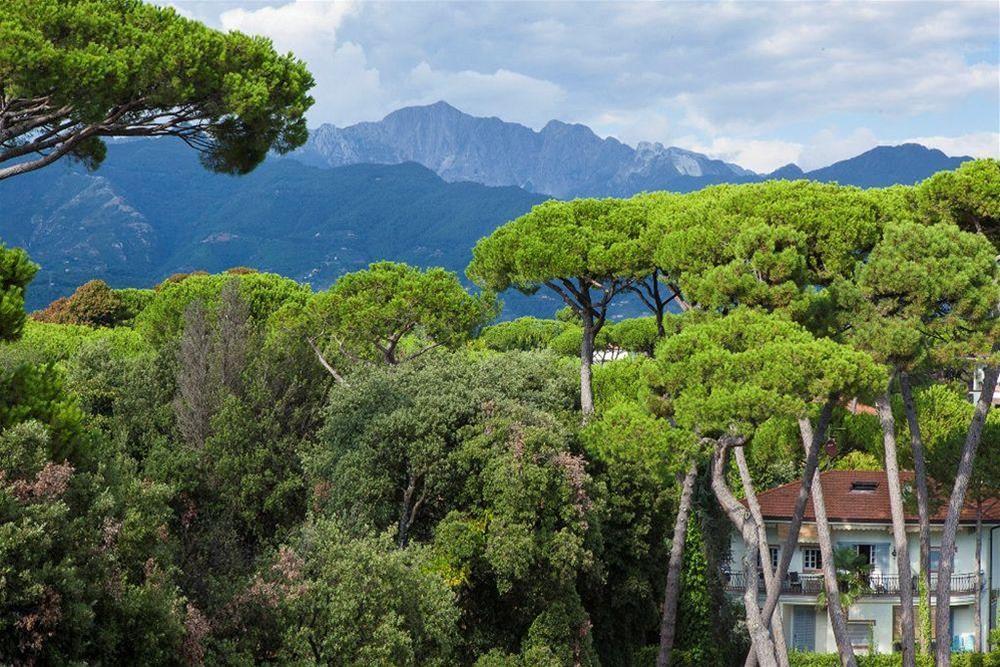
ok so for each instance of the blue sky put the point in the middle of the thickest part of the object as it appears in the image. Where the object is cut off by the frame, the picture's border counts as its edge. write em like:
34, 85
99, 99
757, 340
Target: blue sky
757, 83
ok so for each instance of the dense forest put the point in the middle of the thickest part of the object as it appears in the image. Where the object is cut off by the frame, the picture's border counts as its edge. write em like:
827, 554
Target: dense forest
234, 468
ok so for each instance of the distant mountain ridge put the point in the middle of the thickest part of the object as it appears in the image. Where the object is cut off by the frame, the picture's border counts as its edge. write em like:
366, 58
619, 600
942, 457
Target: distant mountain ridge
152, 210
569, 160
563, 160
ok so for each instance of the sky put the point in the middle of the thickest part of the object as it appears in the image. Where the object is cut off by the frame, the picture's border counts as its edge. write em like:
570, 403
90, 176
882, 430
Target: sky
760, 84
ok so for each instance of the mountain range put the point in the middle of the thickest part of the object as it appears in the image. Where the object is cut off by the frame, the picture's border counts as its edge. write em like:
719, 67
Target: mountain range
565, 161
420, 186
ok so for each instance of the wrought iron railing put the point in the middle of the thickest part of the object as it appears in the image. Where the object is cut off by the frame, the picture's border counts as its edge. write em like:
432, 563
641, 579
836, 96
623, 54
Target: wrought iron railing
873, 585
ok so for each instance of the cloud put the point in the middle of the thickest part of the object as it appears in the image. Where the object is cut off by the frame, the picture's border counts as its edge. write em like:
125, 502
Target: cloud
295, 25
749, 82
976, 144
527, 100
760, 155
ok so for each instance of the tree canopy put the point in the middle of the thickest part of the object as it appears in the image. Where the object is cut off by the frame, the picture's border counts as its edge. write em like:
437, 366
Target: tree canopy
75, 72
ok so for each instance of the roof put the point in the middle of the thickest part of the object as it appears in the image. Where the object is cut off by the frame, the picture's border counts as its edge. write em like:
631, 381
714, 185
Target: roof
844, 504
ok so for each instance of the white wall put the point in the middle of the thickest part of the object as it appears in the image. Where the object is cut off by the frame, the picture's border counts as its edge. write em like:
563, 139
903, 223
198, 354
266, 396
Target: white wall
881, 610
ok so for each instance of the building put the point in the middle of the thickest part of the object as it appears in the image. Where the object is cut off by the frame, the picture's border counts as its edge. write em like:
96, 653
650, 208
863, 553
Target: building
857, 504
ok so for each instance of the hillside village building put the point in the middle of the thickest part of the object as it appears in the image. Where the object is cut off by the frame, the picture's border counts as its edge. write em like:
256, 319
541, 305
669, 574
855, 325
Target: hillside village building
857, 503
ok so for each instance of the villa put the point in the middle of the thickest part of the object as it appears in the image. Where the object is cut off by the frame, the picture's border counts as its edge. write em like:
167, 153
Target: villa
858, 509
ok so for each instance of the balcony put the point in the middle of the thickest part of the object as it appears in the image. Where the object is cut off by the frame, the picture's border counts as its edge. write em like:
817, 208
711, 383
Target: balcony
876, 585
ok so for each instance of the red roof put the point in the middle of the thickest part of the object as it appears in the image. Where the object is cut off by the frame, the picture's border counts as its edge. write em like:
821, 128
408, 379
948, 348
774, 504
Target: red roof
849, 496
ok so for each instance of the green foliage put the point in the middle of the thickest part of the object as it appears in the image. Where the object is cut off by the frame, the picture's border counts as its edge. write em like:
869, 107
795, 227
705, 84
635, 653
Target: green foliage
90, 59
46, 343
35, 393
556, 240
264, 293
135, 301
762, 245
891, 660
968, 197
621, 380
698, 613
524, 333
85, 555
928, 286
372, 314
93, 304
16, 271
362, 601
740, 370
632, 455
858, 461
636, 335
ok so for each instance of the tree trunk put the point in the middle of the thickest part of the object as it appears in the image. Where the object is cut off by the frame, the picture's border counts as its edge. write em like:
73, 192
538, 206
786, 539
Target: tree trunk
977, 609
660, 304
777, 627
884, 409
586, 362
955, 504
744, 523
836, 611
668, 625
923, 501
810, 442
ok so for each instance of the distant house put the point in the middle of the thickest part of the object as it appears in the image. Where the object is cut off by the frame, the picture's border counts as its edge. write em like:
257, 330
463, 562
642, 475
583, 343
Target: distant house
977, 387
857, 503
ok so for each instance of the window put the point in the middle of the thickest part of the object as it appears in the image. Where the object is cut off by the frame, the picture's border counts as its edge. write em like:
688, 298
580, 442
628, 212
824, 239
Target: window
867, 551
935, 558
811, 559
773, 550
861, 633
863, 487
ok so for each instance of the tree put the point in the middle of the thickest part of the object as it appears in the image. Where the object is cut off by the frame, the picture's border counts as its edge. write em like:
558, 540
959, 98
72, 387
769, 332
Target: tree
723, 377
358, 601
76, 72
929, 293
641, 460
373, 314
968, 197
945, 416
93, 304
652, 284
16, 271
582, 250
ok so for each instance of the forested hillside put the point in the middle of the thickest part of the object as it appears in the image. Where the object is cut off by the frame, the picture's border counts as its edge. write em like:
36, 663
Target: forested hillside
152, 210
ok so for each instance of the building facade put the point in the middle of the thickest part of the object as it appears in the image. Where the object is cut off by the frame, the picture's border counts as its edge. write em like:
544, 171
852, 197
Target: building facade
861, 530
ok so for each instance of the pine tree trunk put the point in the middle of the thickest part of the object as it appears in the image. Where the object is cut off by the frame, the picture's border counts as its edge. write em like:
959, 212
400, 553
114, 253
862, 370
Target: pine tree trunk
810, 442
777, 627
884, 408
760, 637
955, 504
586, 363
923, 502
977, 609
836, 611
668, 625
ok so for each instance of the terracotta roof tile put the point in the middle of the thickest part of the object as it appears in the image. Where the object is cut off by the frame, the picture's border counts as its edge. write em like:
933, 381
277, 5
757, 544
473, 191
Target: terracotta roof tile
846, 504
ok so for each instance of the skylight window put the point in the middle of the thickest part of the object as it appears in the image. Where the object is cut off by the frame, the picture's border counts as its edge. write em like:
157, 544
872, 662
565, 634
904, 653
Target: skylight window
863, 487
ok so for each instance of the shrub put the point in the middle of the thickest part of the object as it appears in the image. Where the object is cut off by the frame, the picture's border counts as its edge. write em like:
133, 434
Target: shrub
524, 333
92, 304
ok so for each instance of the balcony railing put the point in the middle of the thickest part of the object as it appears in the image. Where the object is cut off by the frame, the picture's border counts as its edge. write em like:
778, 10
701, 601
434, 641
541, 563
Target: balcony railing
875, 585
